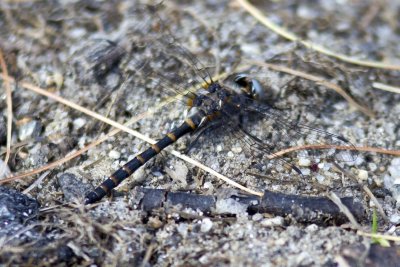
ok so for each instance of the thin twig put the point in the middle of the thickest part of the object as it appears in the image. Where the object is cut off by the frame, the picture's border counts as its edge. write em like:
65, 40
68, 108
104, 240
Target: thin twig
312, 147
386, 87
256, 13
147, 255
386, 237
36, 183
369, 16
9, 107
335, 199
365, 189
316, 79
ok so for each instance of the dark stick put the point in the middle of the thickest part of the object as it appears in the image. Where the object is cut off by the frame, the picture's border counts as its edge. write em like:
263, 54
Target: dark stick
303, 208
307, 208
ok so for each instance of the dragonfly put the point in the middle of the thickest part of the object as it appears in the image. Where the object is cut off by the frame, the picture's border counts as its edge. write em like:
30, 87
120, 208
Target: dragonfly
233, 110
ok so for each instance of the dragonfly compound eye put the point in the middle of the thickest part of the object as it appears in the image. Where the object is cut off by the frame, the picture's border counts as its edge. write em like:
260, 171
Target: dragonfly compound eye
242, 80
250, 87
257, 91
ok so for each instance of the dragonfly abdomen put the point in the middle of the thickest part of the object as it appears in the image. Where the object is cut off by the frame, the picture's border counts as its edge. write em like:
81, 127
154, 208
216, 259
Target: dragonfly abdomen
189, 125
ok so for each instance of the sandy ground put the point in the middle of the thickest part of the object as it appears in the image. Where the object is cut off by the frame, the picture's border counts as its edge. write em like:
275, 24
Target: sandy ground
58, 46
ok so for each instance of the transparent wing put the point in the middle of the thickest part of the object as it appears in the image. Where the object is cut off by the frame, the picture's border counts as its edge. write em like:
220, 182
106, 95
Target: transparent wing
156, 54
275, 130
253, 139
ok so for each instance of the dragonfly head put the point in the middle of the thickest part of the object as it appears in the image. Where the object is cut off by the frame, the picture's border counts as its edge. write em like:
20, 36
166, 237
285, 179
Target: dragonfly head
250, 87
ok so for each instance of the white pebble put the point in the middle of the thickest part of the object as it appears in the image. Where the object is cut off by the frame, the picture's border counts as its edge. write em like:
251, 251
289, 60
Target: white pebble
237, 150
394, 168
305, 171
320, 178
114, 154
208, 185
395, 218
206, 225
257, 217
230, 206
4, 170
277, 221
179, 173
304, 162
182, 229
79, 123
372, 166
363, 175
312, 227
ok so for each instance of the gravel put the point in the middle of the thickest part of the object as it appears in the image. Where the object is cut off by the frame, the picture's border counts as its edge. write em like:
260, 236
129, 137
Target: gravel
59, 46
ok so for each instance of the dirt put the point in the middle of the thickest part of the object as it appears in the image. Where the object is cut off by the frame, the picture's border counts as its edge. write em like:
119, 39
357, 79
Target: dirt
57, 46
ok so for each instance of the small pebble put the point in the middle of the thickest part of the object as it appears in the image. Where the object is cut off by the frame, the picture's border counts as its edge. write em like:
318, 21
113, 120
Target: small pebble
30, 130
79, 123
392, 179
155, 222
4, 170
257, 217
293, 99
305, 171
230, 206
320, 178
208, 185
395, 218
56, 79
372, 166
312, 228
391, 230
394, 168
182, 229
72, 187
304, 162
178, 173
252, 49
113, 80
276, 221
206, 225
77, 33
363, 175
237, 150
114, 154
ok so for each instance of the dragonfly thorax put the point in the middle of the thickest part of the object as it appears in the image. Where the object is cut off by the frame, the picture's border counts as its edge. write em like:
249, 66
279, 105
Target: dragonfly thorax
216, 99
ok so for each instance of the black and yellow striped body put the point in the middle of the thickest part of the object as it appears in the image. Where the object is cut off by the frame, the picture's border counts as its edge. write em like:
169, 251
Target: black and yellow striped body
117, 177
